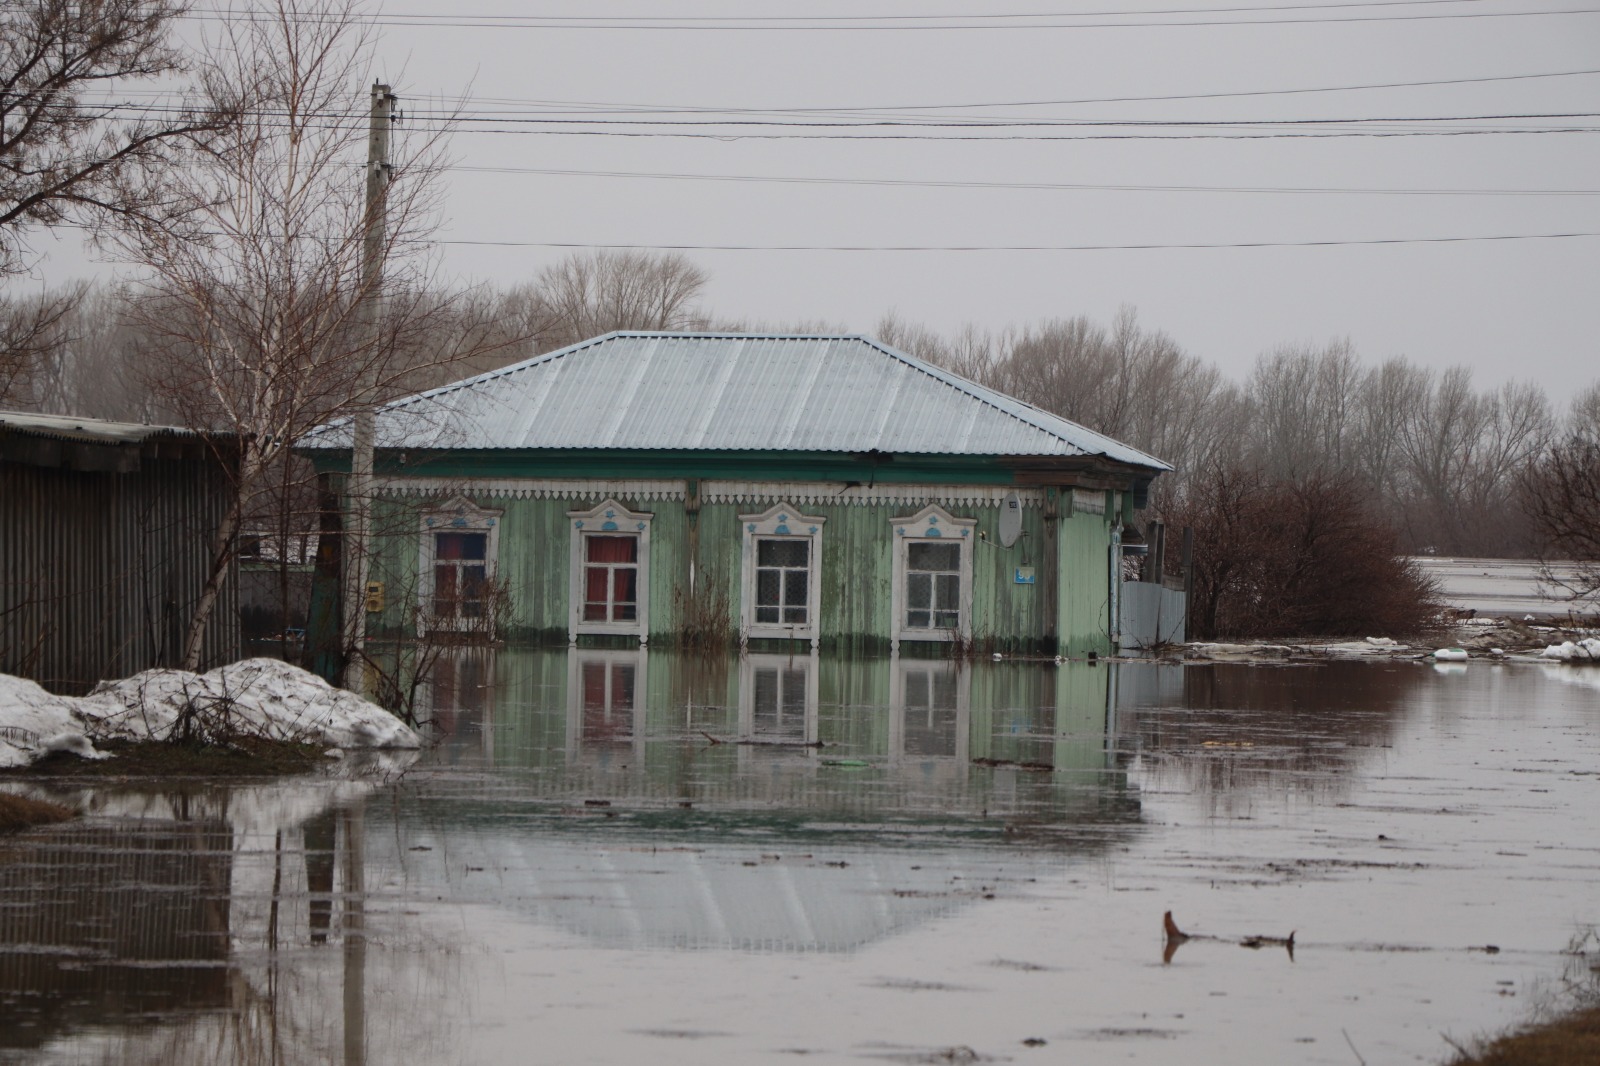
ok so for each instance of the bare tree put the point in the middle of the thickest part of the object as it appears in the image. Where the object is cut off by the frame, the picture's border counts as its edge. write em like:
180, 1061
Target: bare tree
1583, 418
587, 294
1306, 399
30, 331
1561, 495
1275, 556
63, 156
256, 327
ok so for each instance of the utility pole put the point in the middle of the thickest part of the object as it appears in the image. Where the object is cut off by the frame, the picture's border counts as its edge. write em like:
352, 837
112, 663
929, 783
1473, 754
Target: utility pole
358, 488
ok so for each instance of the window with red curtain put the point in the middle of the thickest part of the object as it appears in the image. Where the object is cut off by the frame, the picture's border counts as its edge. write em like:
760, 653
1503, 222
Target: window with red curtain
611, 578
459, 572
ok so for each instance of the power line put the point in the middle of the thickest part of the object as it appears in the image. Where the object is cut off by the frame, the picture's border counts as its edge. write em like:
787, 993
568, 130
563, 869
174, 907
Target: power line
514, 118
596, 107
999, 123
734, 129
747, 136
838, 25
1009, 247
690, 19
608, 107
1013, 185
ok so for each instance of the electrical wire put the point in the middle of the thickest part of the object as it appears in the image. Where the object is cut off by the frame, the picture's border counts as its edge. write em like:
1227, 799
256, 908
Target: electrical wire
741, 24
1009, 247
603, 107
1013, 185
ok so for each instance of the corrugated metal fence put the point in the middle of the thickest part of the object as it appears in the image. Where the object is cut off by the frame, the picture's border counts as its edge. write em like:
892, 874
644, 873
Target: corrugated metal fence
104, 548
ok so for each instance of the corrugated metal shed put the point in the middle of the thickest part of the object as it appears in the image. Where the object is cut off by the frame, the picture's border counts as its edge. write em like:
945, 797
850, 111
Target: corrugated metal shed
85, 430
731, 392
105, 532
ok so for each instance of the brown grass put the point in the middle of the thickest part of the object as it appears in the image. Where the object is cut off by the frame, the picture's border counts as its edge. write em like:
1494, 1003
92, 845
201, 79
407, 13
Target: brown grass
19, 812
1566, 1041
245, 757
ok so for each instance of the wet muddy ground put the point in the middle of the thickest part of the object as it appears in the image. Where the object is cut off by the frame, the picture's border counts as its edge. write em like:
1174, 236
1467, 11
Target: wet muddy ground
618, 857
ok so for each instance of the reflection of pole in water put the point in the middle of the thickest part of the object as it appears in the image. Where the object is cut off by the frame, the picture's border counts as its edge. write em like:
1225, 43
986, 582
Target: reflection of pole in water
355, 939
319, 843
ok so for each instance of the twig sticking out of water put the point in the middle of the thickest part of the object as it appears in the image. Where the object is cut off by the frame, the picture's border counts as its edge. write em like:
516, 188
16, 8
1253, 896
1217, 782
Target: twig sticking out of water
1353, 1050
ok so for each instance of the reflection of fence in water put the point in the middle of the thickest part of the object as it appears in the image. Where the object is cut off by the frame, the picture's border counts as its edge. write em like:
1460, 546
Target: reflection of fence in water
111, 923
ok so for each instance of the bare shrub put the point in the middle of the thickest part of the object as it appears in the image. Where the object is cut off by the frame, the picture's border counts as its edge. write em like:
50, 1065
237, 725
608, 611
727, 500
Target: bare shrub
1561, 496
705, 617
1280, 558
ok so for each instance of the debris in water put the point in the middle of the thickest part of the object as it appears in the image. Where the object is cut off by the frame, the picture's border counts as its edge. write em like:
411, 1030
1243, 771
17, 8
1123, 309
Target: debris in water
1173, 937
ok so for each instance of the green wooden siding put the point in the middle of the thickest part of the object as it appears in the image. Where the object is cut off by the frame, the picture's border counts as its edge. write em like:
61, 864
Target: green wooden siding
1066, 609
1084, 592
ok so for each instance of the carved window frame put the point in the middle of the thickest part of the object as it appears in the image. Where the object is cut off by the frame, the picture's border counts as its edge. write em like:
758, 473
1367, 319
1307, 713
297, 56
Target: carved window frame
459, 514
781, 521
932, 525
607, 518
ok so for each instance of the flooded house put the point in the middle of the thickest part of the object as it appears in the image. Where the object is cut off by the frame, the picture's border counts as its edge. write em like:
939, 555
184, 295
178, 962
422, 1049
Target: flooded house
784, 491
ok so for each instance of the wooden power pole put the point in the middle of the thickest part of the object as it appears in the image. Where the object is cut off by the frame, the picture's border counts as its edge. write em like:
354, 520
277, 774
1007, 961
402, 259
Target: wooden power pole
358, 488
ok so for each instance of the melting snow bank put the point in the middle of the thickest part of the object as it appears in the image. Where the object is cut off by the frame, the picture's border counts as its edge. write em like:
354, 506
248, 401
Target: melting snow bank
1570, 651
1494, 639
257, 697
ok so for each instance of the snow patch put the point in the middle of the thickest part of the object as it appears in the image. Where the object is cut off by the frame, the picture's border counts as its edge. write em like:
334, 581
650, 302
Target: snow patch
1574, 651
264, 697
1451, 655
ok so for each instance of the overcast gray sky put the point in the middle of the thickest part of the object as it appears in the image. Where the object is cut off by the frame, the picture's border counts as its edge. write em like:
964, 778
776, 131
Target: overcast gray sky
1515, 308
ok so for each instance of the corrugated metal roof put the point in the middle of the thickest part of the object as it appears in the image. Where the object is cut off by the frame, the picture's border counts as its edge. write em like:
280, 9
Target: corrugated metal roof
730, 392
85, 430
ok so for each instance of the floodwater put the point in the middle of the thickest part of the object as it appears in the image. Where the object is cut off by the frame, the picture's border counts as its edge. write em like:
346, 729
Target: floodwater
615, 857
1504, 588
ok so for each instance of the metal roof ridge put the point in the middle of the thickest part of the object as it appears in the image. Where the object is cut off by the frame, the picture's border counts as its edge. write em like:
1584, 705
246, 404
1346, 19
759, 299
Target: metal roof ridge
691, 334
499, 372
977, 392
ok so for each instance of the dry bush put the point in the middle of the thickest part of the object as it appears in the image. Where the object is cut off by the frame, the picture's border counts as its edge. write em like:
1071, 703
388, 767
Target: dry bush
1561, 496
1307, 557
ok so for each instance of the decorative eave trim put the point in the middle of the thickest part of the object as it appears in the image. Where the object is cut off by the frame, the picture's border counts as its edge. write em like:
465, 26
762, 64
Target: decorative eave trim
823, 493
532, 488
751, 494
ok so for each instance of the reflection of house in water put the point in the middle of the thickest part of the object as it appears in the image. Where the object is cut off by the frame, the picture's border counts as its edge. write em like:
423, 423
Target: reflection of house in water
804, 732
840, 802
778, 698
110, 924
456, 698
931, 714
605, 709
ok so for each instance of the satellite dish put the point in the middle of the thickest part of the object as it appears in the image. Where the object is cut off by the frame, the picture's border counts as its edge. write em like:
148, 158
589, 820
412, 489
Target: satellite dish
1010, 519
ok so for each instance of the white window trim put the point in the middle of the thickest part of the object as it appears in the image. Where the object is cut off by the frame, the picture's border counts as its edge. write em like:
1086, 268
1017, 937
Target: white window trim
608, 516
780, 521
456, 515
932, 524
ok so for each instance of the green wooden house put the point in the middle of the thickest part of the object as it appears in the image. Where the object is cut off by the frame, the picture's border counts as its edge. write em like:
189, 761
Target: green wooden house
644, 487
